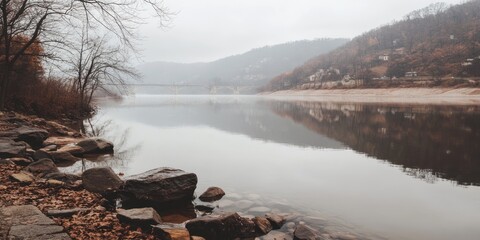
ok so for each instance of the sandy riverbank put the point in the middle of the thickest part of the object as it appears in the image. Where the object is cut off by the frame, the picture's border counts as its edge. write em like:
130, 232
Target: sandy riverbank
458, 96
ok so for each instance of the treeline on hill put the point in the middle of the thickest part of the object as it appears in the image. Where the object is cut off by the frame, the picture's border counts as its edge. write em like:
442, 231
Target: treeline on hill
435, 42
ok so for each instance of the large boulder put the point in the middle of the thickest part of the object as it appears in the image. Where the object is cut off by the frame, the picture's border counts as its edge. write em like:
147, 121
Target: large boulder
10, 148
227, 226
212, 194
96, 146
139, 216
101, 180
42, 167
33, 136
162, 185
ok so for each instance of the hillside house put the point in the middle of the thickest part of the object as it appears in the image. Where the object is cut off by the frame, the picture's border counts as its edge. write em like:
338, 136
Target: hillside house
384, 58
411, 74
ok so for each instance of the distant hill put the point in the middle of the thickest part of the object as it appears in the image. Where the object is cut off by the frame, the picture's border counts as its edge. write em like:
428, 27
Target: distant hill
435, 42
255, 67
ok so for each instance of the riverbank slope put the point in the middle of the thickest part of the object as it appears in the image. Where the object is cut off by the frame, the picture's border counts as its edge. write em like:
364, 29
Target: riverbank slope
455, 96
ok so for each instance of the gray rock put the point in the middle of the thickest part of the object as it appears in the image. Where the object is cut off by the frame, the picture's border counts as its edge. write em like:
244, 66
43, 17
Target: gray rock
276, 220
162, 185
42, 167
101, 180
96, 146
28, 223
33, 136
212, 194
205, 207
65, 212
32, 231
304, 232
227, 226
170, 231
10, 148
263, 226
139, 216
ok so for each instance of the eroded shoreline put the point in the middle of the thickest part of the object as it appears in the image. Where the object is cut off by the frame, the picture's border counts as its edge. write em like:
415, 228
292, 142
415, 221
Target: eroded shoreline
445, 96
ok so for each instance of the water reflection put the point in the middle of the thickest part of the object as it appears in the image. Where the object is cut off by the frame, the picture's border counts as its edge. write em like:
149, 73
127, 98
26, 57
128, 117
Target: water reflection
427, 141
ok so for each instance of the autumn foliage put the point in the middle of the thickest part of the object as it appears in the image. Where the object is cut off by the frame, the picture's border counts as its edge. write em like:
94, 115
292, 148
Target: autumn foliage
435, 42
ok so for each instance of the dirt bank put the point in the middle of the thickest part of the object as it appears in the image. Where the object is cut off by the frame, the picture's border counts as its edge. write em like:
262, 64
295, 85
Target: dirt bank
458, 96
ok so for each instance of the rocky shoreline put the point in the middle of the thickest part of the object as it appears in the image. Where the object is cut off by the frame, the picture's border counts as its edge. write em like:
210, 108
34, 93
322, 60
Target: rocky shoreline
99, 204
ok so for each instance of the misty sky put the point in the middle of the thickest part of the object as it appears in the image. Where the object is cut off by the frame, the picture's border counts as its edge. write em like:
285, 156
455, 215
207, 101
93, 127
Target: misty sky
207, 30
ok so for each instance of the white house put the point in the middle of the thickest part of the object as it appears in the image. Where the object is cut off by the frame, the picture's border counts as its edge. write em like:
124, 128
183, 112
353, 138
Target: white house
384, 58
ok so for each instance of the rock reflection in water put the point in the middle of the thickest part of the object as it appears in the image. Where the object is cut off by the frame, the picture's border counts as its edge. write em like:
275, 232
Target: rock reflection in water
427, 141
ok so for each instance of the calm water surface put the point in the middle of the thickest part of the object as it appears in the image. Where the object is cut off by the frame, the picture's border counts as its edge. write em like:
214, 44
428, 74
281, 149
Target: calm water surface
374, 171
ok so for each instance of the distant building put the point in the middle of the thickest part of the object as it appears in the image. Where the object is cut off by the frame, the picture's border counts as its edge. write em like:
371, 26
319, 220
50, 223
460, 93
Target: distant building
452, 37
384, 58
411, 74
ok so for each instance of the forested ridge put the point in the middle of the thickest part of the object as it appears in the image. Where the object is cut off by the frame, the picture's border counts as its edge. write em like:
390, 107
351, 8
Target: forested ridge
439, 41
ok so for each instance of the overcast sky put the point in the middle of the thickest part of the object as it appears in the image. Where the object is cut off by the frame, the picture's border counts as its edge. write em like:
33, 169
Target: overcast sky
206, 30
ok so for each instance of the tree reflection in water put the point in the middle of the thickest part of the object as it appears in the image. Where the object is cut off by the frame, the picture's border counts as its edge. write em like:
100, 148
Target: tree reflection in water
429, 142
110, 131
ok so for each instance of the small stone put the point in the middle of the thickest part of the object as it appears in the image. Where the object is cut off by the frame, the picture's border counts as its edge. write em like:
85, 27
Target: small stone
60, 141
171, 232
304, 232
41, 154
212, 194
197, 238
42, 167
96, 146
101, 180
21, 161
263, 226
23, 177
55, 183
75, 150
276, 220
205, 207
62, 157
139, 216
49, 148
64, 177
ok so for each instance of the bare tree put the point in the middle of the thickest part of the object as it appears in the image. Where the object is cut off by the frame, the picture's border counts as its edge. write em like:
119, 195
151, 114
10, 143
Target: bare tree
96, 64
49, 22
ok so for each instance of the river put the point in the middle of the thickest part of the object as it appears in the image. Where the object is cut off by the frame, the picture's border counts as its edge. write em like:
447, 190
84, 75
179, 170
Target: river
366, 170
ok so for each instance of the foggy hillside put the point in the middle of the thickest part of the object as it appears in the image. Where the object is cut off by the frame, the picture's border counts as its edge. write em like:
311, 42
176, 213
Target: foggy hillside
438, 41
255, 67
